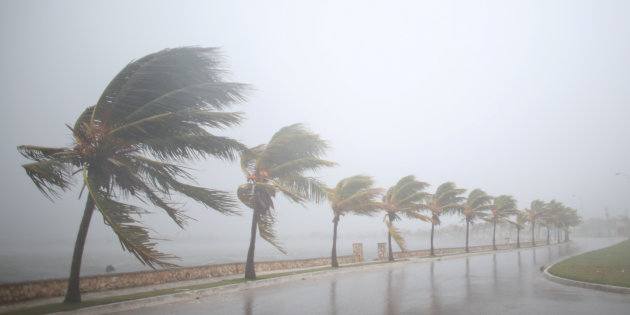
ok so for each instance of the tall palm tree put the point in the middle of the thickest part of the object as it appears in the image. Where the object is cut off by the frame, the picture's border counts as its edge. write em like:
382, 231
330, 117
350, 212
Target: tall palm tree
403, 198
521, 218
554, 217
570, 219
536, 209
446, 199
475, 207
279, 166
502, 207
550, 216
152, 117
352, 195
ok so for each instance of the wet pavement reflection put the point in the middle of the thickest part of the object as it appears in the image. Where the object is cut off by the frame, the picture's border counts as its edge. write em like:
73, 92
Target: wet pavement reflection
508, 282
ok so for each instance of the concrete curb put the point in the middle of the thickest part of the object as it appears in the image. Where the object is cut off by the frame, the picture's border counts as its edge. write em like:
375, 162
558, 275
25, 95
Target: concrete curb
585, 285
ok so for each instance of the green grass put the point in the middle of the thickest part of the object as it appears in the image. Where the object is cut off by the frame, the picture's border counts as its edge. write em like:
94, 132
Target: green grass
63, 307
610, 266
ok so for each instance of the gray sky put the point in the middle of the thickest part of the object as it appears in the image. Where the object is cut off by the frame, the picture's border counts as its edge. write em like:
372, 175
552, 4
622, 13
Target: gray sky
527, 98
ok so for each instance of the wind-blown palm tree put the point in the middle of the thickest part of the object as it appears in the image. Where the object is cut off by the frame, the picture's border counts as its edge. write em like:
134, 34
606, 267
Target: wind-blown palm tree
570, 219
475, 207
550, 216
403, 198
151, 118
501, 208
536, 209
279, 166
446, 199
519, 222
352, 195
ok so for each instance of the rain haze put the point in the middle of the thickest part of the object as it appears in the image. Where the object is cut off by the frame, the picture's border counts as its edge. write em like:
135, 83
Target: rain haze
528, 99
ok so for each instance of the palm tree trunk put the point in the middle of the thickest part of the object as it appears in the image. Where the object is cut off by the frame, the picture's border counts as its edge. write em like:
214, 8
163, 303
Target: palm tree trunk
389, 239
334, 248
250, 270
518, 237
73, 295
533, 233
494, 229
432, 231
548, 234
558, 234
467, 224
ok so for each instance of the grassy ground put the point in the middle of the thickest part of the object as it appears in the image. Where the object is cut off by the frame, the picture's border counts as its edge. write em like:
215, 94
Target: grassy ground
609, 266
62, 307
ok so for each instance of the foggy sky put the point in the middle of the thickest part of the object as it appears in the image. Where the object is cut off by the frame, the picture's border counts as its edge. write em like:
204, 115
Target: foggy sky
529, 99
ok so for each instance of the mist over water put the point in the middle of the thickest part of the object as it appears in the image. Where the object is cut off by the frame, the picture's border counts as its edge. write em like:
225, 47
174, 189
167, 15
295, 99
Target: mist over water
46, 260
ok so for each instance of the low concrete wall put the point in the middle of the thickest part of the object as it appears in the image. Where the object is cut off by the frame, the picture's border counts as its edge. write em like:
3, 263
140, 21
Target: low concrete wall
383, 255
22, 291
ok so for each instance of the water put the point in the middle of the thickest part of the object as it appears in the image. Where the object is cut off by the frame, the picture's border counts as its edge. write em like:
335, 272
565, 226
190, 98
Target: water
51, 259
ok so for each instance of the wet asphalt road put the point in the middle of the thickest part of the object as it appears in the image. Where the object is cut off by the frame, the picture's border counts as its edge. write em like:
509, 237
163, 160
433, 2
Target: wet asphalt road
502, 283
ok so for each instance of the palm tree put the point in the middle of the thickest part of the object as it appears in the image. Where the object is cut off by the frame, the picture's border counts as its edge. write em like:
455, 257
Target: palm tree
570, 219
402, 198
556, 216
501, 208
537, 207
150, 118
550, 216
279, 166
352, 195
476, 205
521, 219
445, 200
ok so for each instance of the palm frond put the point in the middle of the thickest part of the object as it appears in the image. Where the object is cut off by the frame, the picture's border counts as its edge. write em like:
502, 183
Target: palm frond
245, 194
179, 73
266, 231
249, 158
132, 236
361, 202
307, 188
395, 233
182, 122
38, 153
416, 215
50, 176
215, 199
193, 147
299, 166
290, 143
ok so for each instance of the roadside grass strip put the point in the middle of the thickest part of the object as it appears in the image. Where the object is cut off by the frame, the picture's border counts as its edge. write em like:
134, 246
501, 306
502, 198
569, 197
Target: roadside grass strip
607, 266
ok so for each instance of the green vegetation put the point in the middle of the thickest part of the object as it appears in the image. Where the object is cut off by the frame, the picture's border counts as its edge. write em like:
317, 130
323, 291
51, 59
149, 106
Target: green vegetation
609, 266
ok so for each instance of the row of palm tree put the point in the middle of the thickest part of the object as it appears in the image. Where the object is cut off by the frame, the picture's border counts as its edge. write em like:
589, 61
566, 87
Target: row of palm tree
155, 115
408, 198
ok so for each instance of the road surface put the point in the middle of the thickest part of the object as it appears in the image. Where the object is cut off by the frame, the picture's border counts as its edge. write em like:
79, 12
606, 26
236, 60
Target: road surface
503, 283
